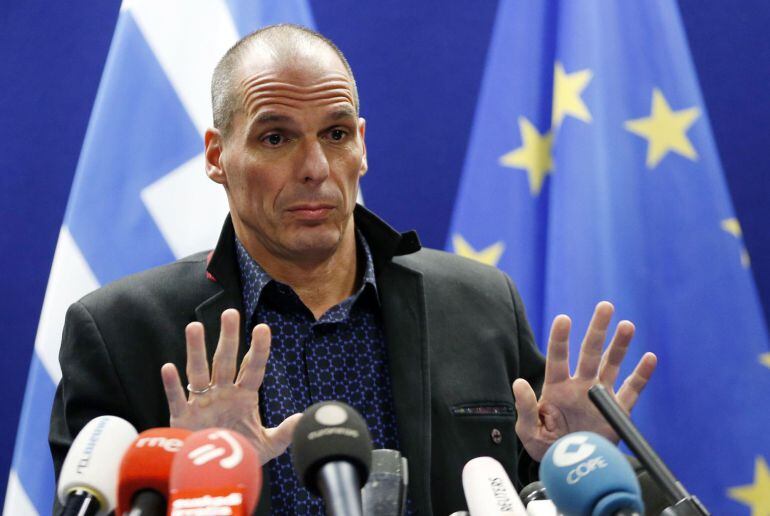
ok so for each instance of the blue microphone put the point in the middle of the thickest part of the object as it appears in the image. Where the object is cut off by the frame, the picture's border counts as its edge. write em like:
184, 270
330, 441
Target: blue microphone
585, 474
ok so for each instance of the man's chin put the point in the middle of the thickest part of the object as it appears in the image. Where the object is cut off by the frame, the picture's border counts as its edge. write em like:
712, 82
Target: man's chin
316, 243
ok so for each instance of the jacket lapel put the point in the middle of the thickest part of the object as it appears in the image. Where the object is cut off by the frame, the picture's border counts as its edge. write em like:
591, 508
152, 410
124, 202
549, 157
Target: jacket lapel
223, 271
404, 318
403, 312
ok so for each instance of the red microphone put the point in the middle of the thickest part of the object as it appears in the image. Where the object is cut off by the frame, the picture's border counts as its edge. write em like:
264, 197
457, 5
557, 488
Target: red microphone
144, 471
217, 471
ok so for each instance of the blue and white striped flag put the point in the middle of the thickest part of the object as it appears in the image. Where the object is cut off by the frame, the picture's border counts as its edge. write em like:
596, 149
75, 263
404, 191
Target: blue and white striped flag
140, 196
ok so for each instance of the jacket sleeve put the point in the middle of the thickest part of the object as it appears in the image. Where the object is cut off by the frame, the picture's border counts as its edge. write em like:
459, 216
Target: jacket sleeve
89, 386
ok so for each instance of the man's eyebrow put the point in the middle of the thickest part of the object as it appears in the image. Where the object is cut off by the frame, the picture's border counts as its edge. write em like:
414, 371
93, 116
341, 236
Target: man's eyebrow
339, 114
269, 117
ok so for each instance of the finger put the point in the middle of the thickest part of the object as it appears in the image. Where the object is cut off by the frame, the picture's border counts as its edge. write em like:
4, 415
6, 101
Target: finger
280, 436
223, 365
172, 385
634, 385
527, 419
616, 352
593, 342
197, 363
254, 363
557, 357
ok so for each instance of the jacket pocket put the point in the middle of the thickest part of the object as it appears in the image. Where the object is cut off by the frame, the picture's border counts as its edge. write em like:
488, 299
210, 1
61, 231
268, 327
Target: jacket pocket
484, 409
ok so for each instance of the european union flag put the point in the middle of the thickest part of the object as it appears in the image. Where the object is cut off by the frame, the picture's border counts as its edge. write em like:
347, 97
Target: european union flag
592, 174
140, 196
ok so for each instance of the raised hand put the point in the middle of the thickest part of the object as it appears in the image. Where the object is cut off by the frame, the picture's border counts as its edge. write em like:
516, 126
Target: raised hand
222, 400
564, 405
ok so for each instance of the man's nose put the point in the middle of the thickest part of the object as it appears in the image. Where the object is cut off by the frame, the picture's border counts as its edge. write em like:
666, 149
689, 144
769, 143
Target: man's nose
314, 165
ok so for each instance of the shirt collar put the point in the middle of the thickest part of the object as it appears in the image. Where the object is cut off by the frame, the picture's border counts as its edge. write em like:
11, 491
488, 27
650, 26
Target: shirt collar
254, 278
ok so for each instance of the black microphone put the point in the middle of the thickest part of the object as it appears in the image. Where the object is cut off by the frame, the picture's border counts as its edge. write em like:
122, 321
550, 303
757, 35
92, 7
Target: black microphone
332, 454
682, 502
385, 492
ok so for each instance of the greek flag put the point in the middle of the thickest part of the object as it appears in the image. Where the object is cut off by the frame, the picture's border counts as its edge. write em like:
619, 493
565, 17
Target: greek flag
140, 196
591, 174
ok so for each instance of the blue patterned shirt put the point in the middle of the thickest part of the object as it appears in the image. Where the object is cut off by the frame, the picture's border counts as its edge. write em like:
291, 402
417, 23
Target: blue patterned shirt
341, 356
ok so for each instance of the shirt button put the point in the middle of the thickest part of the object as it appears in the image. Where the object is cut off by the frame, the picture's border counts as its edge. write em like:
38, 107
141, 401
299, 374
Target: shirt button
496, 435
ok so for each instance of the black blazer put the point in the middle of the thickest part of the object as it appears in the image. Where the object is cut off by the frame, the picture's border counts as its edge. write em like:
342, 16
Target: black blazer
456, 333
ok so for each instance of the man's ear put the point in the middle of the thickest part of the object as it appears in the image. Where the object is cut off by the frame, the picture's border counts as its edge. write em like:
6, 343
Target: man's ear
214, 143
362, 135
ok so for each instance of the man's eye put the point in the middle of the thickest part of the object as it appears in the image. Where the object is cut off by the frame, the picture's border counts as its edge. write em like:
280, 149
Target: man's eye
337, 134
274, 139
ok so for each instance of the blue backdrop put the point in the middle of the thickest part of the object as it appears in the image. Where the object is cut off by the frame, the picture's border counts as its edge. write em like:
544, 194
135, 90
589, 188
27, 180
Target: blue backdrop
419, 69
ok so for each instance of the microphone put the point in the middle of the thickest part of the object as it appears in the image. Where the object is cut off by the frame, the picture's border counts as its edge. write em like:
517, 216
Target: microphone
90, 470
385, 492
217, 471
488, 490
585, 474
145, 469
332, 454
535, 499
682, 502
542, 508
532, 492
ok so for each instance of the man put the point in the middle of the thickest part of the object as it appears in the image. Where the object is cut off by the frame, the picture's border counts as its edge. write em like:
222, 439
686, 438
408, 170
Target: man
424, 344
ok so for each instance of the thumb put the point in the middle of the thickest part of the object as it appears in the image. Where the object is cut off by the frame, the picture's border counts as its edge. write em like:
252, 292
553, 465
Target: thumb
527, 418
281, 435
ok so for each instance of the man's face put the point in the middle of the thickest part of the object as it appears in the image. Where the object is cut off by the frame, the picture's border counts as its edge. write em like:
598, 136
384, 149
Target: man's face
293, 156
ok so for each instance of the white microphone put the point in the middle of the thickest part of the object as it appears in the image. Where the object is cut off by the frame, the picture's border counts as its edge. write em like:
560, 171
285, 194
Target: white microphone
89, 475
542, 508
489, 491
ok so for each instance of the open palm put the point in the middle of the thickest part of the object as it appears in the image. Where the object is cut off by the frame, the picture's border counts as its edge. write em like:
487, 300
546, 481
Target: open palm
564, 406
223, 400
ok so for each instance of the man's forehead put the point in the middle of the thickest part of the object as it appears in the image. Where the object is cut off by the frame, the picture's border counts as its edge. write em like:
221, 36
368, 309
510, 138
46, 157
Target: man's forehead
271, 80
303, 65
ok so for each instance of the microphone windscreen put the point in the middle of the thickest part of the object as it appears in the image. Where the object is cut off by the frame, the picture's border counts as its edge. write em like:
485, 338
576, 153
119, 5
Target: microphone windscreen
147, 464
330, 431
215, 470
488, 490
585, 474
93, 460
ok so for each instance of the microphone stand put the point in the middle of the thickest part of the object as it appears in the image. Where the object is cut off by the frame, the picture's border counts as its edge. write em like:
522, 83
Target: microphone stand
335, 479
683, 503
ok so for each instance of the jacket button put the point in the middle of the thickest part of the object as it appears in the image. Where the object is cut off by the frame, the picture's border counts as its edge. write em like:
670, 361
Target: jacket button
497, 436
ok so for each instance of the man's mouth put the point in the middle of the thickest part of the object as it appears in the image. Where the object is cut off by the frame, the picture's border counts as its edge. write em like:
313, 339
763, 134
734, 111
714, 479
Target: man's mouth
311, 211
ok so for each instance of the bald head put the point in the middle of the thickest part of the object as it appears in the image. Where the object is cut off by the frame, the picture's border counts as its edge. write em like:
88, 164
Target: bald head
278, 43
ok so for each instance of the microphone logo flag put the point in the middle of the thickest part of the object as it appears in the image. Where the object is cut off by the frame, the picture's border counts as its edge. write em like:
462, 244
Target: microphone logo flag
565, 453
170, 445
331, 415
208, 452
209, 502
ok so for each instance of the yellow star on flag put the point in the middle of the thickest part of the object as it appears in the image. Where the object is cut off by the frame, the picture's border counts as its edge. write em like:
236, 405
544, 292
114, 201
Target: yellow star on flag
534, 155
756, 495
489, 255
764, 359
733, 227
665, 130
567, 88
